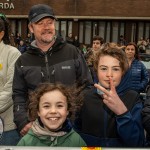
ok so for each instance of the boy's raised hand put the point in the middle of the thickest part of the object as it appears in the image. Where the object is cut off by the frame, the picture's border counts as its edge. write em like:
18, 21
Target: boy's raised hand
111, 99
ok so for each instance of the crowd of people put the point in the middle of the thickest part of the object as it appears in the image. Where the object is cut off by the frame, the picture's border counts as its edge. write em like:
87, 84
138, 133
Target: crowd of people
20, 43
57, 94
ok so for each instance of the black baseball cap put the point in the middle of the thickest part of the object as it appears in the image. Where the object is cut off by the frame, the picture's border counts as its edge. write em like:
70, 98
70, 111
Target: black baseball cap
40, 11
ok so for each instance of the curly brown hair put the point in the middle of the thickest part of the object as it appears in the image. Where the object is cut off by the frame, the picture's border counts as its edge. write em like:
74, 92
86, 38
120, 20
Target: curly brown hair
73, 95
112, 50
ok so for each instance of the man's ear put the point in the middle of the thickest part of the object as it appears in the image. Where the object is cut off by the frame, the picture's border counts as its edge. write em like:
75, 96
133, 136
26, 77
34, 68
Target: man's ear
2, 33
30, 27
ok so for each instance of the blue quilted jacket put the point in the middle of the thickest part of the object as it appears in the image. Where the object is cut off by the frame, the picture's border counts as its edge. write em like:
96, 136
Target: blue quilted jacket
139, 76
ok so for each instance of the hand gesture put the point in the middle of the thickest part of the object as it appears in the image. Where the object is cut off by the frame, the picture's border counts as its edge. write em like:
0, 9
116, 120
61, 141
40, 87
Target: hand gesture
111, 99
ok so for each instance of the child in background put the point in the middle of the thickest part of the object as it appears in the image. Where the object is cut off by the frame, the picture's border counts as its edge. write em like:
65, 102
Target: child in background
22, 46
50, 105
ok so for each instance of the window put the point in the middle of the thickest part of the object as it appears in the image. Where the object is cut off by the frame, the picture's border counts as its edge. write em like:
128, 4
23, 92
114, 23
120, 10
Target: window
141, 30
147, 30
102, 29
108, 32
63, 29
115, 32
87, 32
81, 32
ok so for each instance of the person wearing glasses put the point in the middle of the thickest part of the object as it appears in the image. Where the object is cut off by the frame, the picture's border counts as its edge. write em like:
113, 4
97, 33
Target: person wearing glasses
8, 57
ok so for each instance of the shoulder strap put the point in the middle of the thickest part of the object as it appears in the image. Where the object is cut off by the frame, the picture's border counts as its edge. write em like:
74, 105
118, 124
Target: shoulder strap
130, 98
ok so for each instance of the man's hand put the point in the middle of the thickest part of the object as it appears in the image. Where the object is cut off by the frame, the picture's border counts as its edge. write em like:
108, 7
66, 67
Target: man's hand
26, 129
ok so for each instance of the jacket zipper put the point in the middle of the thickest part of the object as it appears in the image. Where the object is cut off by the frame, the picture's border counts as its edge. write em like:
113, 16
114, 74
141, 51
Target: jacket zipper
47, 65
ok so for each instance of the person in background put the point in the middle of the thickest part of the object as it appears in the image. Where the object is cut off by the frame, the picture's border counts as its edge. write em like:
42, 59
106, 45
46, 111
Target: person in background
148, 46
48, 59
122, 41
17, 39
8, 57
28, 39
12, 39
76, 42
97, 42
84, 49
111, 113
22, 47
51, 106
141, 44
139, 76
142, 47
69, 39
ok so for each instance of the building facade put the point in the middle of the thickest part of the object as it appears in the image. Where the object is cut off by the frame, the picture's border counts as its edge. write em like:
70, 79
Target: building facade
86, 18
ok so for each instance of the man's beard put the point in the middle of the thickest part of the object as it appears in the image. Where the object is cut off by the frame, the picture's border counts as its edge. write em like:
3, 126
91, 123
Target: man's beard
49, 40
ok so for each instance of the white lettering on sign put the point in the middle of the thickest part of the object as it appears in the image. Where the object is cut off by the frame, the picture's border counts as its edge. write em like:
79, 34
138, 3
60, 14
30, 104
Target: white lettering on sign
7, 6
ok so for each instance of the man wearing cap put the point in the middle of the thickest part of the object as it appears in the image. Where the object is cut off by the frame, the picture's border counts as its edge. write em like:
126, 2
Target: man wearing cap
48, 59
